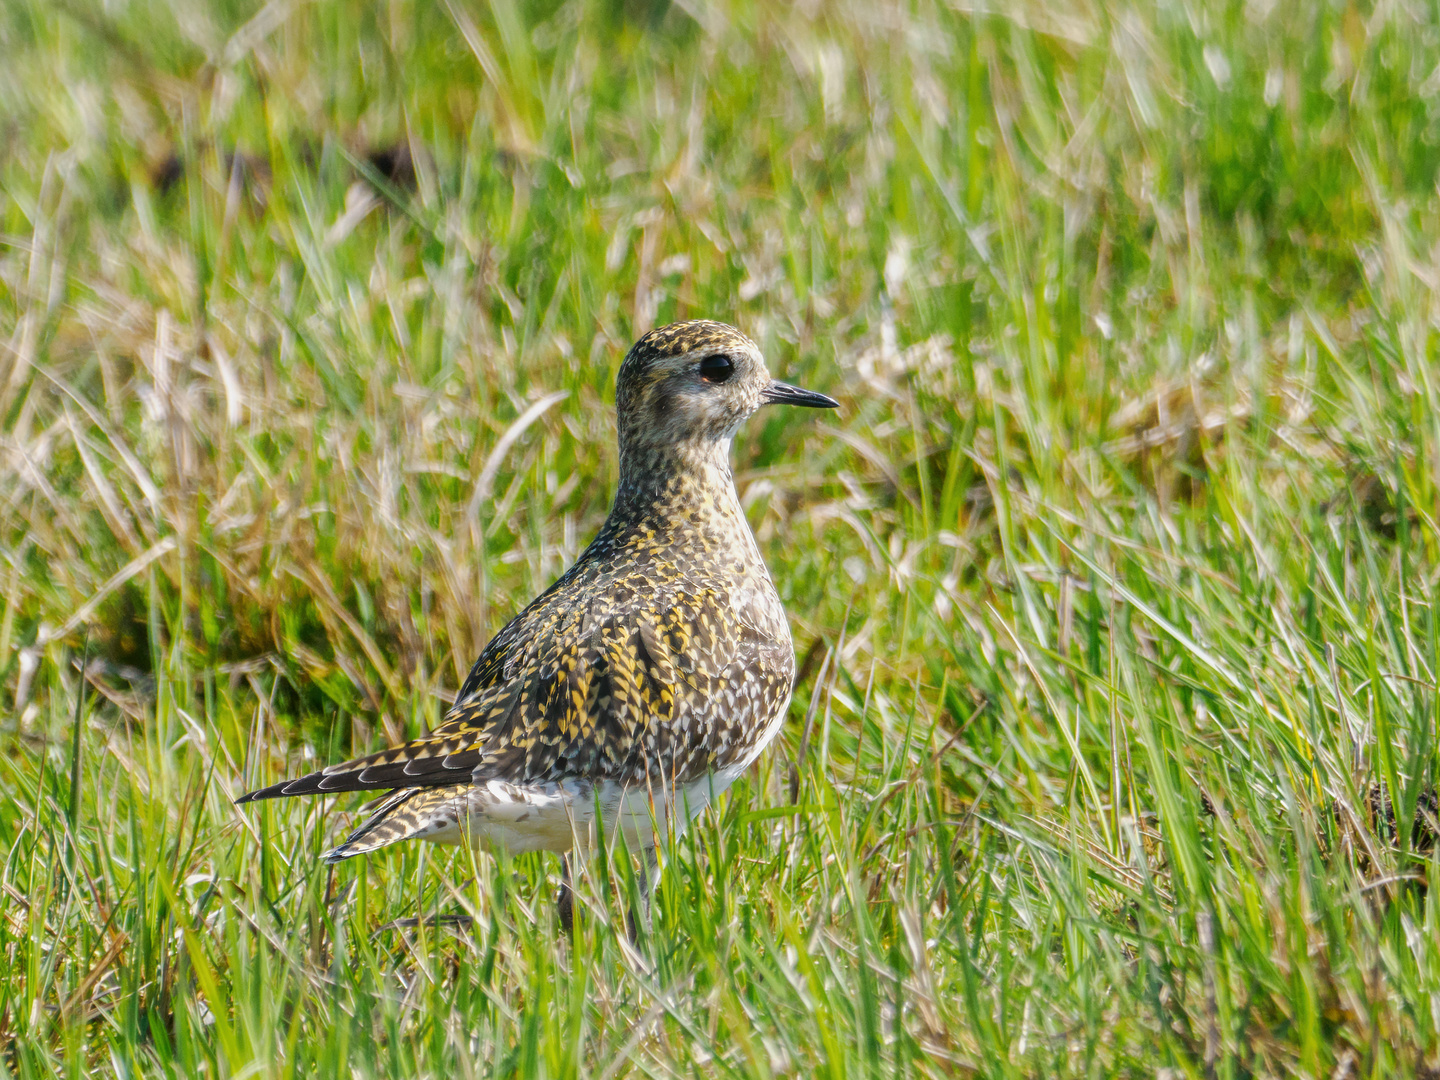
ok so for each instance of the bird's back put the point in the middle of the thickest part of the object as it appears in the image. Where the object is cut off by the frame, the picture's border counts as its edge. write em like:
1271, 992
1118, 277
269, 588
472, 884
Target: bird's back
651, 659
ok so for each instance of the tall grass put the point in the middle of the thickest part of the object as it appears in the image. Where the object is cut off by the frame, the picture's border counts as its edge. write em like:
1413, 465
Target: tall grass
1113, 581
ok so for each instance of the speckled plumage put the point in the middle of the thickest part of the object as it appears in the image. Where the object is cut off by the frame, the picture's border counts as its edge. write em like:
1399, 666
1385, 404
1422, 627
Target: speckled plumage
648, 676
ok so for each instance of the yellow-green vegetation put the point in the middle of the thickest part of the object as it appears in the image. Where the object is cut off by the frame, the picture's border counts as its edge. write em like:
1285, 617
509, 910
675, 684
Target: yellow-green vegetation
1113, 580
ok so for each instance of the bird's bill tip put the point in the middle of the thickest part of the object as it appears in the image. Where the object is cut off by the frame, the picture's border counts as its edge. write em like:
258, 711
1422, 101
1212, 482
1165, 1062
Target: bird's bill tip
779, 393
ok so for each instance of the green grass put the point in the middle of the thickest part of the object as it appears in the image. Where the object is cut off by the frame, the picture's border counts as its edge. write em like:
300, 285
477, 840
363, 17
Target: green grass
1114, 577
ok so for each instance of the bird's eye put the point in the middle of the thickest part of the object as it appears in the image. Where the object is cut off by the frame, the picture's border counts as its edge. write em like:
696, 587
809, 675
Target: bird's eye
716, 369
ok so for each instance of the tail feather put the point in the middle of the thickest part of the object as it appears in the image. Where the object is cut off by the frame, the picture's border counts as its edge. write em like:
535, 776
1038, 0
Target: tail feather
406, 813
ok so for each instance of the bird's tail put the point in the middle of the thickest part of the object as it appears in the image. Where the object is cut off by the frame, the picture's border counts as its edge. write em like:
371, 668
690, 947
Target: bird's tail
417, 811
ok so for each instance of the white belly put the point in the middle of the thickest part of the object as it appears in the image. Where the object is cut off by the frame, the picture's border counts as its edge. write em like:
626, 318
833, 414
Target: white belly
561, 815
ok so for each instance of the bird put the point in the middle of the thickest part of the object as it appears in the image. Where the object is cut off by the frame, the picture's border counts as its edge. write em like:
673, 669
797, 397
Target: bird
631, 693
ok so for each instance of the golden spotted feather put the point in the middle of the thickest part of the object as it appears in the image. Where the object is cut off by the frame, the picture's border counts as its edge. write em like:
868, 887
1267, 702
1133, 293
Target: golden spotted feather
629, 686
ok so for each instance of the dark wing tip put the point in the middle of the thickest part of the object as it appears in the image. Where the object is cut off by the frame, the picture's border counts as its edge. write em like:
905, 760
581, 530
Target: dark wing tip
274, 791
438, 771
304, 785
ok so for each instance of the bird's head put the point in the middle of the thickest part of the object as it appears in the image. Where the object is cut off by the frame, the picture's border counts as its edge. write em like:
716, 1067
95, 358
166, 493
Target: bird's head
685, 388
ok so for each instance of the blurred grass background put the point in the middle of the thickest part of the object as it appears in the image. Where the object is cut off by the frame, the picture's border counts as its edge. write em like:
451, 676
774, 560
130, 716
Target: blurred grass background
1113, 581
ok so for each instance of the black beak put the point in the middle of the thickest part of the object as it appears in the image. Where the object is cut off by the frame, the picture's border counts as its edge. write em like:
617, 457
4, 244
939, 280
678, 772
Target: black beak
779, 393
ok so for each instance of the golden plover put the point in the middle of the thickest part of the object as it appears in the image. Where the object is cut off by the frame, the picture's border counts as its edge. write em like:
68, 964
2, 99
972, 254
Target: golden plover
648, 677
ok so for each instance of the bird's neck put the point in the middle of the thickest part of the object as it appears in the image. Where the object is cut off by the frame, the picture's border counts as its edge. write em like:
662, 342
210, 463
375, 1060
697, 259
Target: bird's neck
685, 479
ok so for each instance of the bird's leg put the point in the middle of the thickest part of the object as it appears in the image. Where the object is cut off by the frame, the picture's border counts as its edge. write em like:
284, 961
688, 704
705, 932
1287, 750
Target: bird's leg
565, 903
648, 878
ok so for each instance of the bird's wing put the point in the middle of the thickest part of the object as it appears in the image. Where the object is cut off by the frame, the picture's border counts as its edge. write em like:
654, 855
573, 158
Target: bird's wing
655, 683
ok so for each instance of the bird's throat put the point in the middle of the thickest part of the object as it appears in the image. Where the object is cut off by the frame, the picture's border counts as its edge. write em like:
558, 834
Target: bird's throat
687, 482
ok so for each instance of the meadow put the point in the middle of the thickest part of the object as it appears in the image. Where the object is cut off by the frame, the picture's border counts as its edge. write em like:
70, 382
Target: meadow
1112, 582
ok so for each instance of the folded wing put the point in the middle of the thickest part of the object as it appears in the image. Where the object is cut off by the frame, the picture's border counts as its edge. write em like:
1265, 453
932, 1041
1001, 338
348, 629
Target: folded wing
617, 689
